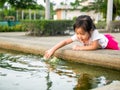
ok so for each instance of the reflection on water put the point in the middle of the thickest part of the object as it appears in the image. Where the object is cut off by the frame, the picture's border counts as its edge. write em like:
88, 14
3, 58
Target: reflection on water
31, 72
84, 82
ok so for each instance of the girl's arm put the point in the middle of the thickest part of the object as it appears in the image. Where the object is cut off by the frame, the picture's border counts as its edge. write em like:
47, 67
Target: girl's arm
51, 51
93, 46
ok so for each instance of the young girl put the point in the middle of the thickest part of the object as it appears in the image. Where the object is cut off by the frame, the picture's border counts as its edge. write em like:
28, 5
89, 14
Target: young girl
88, 36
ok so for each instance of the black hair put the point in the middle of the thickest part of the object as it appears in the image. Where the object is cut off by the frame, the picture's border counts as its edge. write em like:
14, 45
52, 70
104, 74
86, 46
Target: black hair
85, 22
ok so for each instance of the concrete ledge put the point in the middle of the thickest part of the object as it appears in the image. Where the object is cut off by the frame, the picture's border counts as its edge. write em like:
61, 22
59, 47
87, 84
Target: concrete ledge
103, 58
22, 47
113, 86
96, 58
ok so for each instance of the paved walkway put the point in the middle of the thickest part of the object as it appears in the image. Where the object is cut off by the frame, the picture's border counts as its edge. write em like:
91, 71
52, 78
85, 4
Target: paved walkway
38, 45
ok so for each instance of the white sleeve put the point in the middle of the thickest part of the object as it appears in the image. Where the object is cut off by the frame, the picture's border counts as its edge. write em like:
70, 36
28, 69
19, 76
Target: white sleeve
74, 38
95, 36
100, 37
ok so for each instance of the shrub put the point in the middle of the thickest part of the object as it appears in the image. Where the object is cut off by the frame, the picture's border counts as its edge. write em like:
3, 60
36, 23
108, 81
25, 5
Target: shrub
114, 26
101, 25
10, 26
15, 28
46, 27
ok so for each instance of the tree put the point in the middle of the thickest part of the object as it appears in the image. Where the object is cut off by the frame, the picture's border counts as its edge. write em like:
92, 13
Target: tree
116, 8
18, 8
99, 6
52, 12
2, 2
77, 3
23, 4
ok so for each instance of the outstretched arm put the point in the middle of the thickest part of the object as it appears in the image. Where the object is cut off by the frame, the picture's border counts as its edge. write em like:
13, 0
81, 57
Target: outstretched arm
51, 51
93, 46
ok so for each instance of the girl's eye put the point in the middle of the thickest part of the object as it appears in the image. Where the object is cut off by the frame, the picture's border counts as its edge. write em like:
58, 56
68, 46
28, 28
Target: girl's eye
82, 33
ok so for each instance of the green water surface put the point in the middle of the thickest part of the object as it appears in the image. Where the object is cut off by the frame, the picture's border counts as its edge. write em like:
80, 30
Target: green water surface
30, 72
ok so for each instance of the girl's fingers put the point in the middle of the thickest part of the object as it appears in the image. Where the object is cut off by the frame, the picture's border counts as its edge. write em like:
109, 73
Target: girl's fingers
47, 54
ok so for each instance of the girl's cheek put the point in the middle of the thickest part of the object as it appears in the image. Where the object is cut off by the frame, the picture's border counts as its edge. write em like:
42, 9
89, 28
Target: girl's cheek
79, 37
86, 38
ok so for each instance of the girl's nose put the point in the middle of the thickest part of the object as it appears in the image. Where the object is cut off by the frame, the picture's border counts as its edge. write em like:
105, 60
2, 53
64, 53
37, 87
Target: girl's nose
80, 37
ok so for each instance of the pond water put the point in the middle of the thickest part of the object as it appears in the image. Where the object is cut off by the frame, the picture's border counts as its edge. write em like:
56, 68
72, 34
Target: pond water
30, 72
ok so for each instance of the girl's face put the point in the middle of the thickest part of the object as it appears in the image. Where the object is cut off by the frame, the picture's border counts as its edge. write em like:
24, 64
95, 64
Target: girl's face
82, 35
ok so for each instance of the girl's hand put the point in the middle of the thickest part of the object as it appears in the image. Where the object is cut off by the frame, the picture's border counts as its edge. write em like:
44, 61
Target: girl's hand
77, 47
48, 53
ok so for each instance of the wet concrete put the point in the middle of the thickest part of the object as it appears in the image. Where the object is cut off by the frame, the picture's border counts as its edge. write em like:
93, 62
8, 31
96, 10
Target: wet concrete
18, 41
113, 86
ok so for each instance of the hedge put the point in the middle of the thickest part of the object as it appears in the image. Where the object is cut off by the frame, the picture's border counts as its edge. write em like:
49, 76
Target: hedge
47, 27
101, 25
114, 26
16, 28
52, 27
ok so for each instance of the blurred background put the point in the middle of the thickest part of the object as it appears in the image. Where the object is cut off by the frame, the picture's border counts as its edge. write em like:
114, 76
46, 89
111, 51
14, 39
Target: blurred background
14, 12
